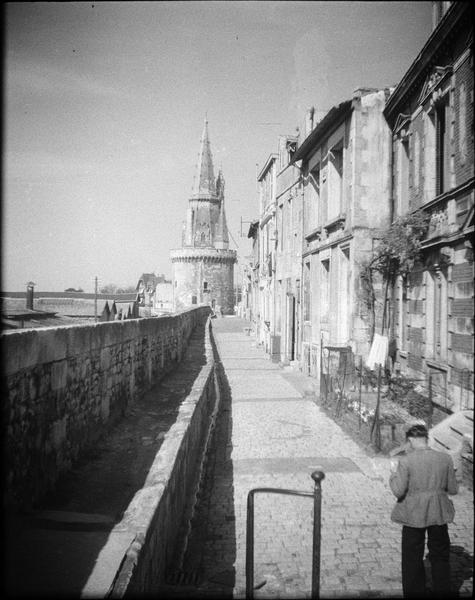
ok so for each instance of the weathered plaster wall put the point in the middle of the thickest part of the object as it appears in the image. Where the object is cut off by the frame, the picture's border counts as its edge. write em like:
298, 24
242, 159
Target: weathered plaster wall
65, 386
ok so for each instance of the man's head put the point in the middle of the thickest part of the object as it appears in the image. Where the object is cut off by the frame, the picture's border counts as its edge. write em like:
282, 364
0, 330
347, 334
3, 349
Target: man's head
417, 436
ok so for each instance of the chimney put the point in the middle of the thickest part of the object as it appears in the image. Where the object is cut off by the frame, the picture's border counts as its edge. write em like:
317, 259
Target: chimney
309, 121
29, 295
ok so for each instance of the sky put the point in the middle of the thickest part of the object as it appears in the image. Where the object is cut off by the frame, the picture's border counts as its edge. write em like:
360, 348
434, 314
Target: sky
104, 104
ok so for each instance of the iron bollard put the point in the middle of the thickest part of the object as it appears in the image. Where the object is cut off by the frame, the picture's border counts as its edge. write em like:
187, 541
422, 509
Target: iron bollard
317, 476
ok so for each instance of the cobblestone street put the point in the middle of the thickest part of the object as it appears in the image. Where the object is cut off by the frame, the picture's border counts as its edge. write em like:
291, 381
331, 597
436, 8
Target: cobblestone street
270, 434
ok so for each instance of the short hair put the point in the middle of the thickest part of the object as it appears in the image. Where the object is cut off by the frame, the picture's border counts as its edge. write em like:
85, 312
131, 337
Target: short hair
417, 431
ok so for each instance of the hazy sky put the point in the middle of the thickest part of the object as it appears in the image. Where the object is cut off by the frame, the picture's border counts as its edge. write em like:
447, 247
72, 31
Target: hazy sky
104, 109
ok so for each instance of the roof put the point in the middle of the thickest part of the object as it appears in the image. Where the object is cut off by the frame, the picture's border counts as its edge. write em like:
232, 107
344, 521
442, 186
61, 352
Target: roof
456, 15
73, 307
271, 159
148, 280
18, 314
331, 120
65, 295
204, 184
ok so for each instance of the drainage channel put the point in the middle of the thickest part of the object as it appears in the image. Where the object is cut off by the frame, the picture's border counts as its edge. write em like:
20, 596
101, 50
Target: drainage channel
189, 575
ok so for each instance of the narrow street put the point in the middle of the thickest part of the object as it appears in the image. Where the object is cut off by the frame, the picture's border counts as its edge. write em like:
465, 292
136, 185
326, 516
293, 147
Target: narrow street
269, 434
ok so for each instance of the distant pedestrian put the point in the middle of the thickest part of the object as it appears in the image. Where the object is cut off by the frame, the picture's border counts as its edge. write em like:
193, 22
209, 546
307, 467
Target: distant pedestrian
421, 480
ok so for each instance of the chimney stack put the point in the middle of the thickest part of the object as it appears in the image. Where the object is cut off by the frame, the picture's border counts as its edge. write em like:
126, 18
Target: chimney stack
309, 120
30, 286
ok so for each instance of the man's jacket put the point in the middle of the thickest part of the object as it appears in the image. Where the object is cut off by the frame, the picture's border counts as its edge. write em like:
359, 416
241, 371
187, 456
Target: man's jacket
421, 483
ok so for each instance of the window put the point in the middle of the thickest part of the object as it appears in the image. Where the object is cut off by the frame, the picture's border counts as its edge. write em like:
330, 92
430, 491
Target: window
442, 146
280, 232
335, 183
402, 309
437, 149
278, 307
325, 289
306, 292
403, 176
194, 299
436, 315
417, 160
344, 291
429, 153
313, 203
205, 286
462, 129
290, 148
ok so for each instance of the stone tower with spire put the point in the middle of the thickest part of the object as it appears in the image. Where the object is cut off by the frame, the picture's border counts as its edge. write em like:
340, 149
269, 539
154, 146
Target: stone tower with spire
203, 268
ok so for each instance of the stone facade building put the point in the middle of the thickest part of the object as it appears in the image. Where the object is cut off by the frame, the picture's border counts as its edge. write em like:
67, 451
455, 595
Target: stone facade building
267, 238
288, 253
345, 165
250, 281
203, 268
340, 187
431, 117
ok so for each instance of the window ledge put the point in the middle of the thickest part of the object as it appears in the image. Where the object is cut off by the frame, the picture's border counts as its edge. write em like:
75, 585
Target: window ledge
437, 365
314, 234
335, 224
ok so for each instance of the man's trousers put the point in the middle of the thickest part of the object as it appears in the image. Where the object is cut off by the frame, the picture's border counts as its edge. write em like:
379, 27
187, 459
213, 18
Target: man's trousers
413, 574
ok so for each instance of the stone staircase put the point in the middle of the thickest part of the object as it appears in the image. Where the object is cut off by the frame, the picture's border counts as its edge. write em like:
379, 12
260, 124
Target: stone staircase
455, 436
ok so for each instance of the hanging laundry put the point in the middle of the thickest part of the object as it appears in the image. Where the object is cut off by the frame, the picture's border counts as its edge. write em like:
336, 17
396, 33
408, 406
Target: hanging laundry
379, 351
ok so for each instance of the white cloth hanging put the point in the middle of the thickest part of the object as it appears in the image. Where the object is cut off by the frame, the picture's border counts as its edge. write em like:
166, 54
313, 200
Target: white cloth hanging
379, 351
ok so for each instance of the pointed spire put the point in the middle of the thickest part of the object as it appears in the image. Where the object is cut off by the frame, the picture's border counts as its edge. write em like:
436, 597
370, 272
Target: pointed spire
204, 183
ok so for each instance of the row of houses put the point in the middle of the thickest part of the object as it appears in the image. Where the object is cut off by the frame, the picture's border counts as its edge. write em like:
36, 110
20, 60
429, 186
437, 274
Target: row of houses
153, 296
366, 225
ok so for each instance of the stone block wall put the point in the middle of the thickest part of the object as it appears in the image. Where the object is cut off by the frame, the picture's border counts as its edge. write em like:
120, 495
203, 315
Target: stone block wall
65, 386
161, 508
204, 275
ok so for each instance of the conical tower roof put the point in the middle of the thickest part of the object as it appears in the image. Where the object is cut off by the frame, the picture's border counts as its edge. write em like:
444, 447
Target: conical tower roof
204, 184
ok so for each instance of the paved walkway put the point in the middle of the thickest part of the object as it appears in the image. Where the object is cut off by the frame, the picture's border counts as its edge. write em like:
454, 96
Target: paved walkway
270, 434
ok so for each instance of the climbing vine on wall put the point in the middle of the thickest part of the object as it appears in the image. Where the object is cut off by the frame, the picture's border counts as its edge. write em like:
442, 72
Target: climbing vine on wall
396, 254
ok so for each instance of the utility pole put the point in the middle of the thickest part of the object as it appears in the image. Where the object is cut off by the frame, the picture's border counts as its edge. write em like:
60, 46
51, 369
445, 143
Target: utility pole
95, 299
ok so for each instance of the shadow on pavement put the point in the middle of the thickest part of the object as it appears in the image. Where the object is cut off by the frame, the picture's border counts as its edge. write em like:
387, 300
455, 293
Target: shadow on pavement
461, 570
461, 567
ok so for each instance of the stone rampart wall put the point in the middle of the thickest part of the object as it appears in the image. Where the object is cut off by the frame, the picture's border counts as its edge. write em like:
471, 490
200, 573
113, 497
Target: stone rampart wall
64, 386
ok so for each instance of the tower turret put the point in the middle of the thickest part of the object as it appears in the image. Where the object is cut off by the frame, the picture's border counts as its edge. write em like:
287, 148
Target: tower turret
203, 269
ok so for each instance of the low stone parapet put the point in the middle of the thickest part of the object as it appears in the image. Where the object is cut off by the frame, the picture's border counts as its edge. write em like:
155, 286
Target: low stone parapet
161, 508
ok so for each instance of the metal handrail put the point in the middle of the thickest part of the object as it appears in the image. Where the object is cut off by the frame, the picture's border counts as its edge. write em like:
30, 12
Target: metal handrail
317, 476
